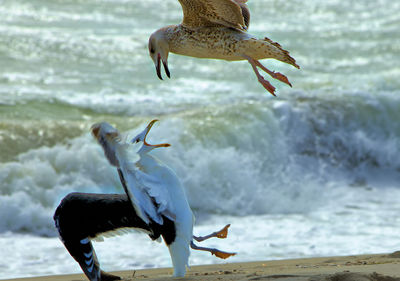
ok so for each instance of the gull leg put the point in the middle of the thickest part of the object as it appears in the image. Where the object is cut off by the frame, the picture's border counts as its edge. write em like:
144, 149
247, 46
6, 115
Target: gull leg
260, 78
218, 253
223, 233
277, 75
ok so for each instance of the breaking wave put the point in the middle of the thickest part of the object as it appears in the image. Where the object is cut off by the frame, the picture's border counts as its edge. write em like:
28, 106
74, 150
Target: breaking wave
249, 158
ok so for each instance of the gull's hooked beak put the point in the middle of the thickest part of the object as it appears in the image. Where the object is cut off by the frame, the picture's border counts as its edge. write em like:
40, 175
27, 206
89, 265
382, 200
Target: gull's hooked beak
158, 67
147, 130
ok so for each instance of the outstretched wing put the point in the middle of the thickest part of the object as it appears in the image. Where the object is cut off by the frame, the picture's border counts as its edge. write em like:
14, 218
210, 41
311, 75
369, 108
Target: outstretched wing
117, 153
147, 192
228, 13
157, 191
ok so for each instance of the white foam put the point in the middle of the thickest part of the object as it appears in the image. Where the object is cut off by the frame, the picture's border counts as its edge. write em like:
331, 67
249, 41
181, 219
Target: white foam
257, 158
354, 221
33, 186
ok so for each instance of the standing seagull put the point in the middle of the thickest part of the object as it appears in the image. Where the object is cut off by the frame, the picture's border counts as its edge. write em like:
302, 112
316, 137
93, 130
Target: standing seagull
217, 29
154, 203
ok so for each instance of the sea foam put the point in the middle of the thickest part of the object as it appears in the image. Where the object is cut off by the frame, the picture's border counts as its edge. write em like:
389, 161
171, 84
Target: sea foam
257, 158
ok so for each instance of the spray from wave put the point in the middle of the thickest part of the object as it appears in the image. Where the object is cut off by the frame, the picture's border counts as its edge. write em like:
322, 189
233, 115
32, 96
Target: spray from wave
255, 157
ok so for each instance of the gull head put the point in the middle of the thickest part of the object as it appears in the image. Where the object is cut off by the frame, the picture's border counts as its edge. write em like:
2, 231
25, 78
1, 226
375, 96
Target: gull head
159, 49
103, 129
141, 137
107, 136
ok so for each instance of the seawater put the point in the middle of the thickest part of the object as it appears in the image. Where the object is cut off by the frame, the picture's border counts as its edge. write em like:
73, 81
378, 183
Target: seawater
313, 172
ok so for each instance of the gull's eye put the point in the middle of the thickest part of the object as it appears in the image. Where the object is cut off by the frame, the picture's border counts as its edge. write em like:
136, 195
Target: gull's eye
152, 51
137, 140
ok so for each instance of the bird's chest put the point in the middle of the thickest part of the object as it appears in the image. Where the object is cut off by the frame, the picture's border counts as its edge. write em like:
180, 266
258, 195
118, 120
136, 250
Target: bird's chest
154, 169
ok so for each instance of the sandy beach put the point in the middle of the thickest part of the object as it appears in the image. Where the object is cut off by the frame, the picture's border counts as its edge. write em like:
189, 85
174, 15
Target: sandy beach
378, 267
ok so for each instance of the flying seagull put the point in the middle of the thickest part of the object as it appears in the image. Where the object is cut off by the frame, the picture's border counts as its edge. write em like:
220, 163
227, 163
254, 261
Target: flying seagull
217, 29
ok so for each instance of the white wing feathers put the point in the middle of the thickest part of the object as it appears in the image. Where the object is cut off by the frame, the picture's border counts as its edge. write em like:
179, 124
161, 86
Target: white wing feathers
156, 189
141, 200
148, 191
148, 194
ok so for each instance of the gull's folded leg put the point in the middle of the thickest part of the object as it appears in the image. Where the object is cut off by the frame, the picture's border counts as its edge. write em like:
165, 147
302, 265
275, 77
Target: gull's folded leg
260, 78
277, 75
223, 233
218, 253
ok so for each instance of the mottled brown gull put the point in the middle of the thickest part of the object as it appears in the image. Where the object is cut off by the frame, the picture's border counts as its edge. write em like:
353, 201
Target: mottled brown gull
217, 29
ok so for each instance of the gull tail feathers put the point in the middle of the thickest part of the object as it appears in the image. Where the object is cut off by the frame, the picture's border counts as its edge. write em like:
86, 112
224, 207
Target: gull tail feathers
281, 54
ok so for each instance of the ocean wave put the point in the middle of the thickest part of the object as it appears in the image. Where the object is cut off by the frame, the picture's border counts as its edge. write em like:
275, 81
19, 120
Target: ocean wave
34, 185
248, 158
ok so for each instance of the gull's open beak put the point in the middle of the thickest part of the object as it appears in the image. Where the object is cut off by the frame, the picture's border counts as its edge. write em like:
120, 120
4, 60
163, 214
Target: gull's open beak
158, 67
166, 69
147, 130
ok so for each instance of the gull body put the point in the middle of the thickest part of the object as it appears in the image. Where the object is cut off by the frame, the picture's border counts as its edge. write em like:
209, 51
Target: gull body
153, 188
171, 201
217, 29
155, 203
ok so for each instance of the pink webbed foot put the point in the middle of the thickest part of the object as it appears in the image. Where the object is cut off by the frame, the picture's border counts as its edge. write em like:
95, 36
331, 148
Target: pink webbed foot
260, 78
276, 75
218, 253
267, 85
282, 78
223, 233
221, 254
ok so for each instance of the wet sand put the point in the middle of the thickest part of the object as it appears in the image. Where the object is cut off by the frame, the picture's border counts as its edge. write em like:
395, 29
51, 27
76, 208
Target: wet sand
379, 267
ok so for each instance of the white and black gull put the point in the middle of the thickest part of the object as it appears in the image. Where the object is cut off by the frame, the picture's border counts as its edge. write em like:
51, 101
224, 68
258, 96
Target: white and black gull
155, 203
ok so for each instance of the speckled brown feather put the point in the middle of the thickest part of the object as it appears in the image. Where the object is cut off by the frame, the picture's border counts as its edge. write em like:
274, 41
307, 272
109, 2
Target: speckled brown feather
200, 13
282, 55
245, 12
223, 43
